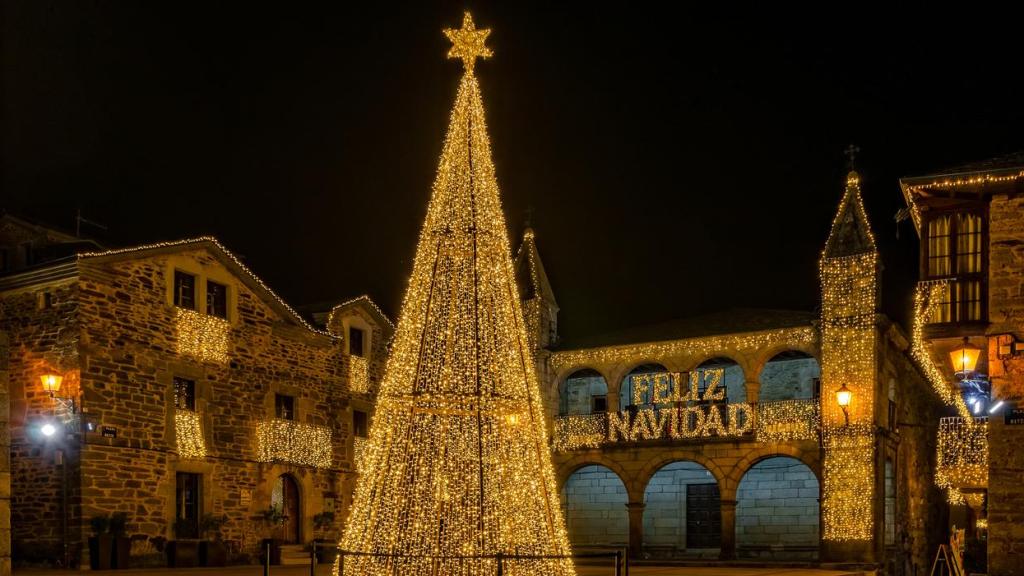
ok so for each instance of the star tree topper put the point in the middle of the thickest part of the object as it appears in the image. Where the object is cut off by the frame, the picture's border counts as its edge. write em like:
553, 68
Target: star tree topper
468, 42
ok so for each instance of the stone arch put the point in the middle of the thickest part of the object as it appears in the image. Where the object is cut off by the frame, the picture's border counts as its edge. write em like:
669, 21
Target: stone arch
778, 491
751, 458
681, 509
763, 355
789, 374
569, 467
735, 377
576, 398
659, 461
593, 499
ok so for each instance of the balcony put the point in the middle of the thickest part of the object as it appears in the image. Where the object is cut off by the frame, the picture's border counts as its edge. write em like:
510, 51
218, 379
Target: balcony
279, 440
203, 337
781, 421
962, 461
358, 374
358, 452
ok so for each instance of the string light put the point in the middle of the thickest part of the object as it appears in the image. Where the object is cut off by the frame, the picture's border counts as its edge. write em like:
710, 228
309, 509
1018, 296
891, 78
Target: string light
786, 420
363, 299
201, 336
926, 294
457, 467
358, 452
188, 429
795, 338
849, 281
220, 247
359, 374
962, 453
577, 431
280, 440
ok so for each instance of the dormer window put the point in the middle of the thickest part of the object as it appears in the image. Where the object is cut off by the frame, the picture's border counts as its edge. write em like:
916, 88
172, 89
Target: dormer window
355, 341
216, 299
184, 290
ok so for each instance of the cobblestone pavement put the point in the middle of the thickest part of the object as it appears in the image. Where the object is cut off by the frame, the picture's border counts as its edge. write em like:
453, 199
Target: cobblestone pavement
326, 571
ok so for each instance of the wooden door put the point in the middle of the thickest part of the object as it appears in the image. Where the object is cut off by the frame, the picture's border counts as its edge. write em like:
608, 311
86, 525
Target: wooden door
703, 516
290, 509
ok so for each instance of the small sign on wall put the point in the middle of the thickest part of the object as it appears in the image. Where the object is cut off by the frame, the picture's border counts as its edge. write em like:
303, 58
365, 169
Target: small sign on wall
1014, 417
109, 432
245, 497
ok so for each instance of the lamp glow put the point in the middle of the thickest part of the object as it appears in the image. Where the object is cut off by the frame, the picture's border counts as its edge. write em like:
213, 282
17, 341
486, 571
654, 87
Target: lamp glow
993, 409
48, 430
843, 396
965, 357
51, 382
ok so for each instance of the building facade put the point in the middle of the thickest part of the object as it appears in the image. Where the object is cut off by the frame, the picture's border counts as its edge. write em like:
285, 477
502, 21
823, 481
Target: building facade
169, 385
970, 306
722, 436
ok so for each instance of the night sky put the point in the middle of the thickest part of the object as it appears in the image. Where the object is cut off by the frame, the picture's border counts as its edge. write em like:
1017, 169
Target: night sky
676, 162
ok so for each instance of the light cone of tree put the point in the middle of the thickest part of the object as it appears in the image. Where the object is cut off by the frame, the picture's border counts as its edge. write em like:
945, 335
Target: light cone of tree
457, 468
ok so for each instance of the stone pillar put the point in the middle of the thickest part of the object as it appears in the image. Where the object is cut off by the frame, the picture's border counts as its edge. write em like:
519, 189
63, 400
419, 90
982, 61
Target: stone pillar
753, 390
636, 528
728, 549
613, 394
5, 463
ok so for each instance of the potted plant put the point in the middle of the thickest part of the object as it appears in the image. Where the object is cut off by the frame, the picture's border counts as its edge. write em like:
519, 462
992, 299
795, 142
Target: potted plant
272, 518
325, 549
122, 543
101, 544
212, 552
183, 551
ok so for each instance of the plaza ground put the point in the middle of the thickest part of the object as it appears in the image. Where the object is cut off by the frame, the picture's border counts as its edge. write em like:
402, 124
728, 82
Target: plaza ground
581, 571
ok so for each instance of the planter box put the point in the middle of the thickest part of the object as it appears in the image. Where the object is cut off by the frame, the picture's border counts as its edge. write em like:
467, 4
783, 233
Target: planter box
183, 553
101, 552
213, 553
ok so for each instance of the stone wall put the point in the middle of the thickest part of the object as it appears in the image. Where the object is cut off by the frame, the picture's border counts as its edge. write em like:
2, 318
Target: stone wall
115, 336
5, 462
578, 391
665, 500
1006, 460
789, 379
777, 511
594, 503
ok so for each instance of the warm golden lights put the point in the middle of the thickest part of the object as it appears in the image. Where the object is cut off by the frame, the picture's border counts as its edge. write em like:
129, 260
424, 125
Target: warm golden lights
965, 357
51, 383
457, 468
201, 336
962, 453
359, 374
188, 428
279, 440
849, 283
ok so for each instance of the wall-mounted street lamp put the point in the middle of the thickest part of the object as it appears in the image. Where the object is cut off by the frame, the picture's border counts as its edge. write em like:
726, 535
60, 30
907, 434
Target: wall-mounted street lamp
965, 358
51, 383
843, 397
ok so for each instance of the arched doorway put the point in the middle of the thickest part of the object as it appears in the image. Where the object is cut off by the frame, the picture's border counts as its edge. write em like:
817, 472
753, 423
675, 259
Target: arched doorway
683, 514
790, 375
777, 512
594, 502
583, 392
285, 500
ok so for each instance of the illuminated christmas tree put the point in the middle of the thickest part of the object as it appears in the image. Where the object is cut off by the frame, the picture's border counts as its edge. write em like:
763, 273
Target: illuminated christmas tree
457, 469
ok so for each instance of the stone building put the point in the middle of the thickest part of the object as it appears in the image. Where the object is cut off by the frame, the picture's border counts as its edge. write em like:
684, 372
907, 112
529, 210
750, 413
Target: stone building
970, 303
720, 436
180, 386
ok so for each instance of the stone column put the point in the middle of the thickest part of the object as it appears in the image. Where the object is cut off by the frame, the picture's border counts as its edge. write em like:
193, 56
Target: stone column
728, 549
753, 390
636, 528
613, 394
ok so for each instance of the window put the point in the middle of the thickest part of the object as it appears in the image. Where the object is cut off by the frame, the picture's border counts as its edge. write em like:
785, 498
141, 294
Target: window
890, 503
184, 290
45, 300
184, 394
27, 256
598, 404
360, 424
953, 251
187, 505
355, 341
216, 299
284, 407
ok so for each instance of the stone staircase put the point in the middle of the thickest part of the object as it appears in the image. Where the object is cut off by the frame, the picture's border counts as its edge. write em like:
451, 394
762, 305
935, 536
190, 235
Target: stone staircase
294, 554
